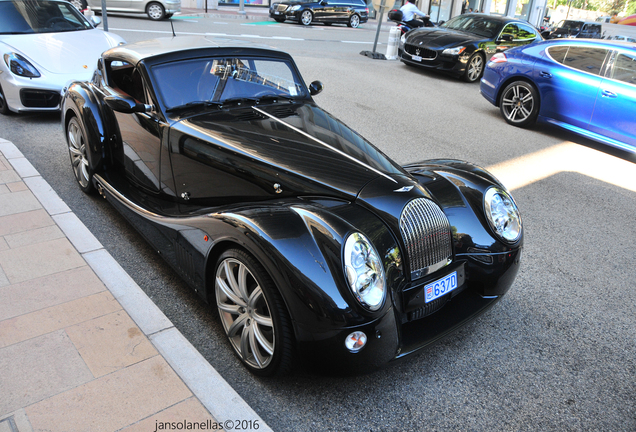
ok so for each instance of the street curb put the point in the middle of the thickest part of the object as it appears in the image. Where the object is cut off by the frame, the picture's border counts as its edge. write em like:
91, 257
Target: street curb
218, 397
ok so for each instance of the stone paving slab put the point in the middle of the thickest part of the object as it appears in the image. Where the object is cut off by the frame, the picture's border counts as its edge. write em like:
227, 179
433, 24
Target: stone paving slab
82, 348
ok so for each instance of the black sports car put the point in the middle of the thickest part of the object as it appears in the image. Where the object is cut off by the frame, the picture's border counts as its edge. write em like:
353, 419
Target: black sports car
302, 234
462, 45
350, 12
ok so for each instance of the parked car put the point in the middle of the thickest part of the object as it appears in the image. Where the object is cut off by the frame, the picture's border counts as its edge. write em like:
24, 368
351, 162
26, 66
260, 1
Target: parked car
45, 44
305, 12
461, 45
155, 9
304, 236
577, 29
585, 86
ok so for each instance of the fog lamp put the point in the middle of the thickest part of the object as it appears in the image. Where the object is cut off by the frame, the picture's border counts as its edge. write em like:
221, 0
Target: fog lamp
356, 341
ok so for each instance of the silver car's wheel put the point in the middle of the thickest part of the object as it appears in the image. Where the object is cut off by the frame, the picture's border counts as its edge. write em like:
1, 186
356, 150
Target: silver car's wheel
354, 21
252, 313
474, 68
519, 103
76, 140
306, 17
155, 11
4, 108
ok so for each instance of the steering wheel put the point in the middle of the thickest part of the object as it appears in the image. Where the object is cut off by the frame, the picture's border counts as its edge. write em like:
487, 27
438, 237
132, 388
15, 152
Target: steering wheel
51, 21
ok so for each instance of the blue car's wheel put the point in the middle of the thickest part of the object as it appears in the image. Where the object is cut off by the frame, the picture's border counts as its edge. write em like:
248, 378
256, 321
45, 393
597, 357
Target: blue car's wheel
519, 103
253, 314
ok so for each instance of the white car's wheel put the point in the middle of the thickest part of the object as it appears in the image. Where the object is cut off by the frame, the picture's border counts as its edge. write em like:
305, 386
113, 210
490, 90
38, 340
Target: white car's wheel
155, 11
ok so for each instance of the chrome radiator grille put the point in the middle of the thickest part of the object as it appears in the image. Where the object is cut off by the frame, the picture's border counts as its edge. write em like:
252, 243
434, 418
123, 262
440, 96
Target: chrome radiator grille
281, 8
427, 235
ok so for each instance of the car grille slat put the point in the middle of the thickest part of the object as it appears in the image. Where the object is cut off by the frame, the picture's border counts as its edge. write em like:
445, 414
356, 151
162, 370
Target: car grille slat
281, 8
427, 236
425, 53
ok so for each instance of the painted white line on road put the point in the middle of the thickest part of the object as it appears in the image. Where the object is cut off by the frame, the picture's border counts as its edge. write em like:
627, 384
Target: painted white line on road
565, 157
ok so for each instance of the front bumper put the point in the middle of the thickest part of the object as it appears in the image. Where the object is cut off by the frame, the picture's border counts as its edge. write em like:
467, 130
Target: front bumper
455, 65
401, 331
24, 94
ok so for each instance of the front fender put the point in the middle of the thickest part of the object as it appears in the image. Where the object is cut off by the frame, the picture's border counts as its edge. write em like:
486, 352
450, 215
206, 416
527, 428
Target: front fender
300, 245
80, 101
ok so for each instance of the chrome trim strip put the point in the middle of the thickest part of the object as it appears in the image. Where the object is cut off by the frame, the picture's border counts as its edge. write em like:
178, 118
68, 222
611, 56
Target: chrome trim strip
340, 152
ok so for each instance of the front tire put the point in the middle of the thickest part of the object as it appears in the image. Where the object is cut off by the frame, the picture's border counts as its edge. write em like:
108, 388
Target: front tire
474, 68
354, 21
519, 104
155, 11
253, 314
4, 107
77, 149
306, 17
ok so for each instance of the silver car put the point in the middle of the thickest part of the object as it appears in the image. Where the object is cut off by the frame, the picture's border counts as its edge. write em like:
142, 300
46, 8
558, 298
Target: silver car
44, 45
155, 9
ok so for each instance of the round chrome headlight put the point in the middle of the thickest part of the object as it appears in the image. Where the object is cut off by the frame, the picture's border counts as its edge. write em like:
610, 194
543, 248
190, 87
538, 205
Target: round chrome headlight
364, 271
502, 214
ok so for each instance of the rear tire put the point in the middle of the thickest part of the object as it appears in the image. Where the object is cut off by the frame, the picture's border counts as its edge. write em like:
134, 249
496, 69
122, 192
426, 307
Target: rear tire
253, 314
78, 151
155, 11
519, 104
354, 21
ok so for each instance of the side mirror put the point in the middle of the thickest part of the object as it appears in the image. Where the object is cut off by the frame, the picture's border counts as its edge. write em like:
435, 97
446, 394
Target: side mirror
126, 105
315, 88
506, 38
95, 20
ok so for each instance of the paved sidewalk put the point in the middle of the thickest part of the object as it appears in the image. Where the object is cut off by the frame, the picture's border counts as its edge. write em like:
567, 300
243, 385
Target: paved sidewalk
82, 348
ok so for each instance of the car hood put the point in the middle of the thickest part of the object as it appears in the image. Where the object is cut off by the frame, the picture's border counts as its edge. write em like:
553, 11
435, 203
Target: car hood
302, 143
440, 38
73, 52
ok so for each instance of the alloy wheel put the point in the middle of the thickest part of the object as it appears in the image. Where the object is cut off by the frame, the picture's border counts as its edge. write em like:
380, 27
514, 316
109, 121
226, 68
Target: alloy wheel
475, 68
354, 21
306, 17
245, 313
77, 151
517, 104
155, 11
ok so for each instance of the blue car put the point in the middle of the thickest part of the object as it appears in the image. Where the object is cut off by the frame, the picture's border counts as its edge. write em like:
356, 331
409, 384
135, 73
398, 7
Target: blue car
585, 86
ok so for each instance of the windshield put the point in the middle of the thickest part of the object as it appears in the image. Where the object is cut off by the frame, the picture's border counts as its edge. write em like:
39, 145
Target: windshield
478, 25
34, 16
570, 25
222, 79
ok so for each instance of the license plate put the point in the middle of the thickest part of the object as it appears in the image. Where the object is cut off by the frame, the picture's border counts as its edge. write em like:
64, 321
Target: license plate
440, 287
276, 13
416, 58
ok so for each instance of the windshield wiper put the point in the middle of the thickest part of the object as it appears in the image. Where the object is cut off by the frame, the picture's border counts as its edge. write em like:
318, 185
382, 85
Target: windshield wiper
195, 104
255, 100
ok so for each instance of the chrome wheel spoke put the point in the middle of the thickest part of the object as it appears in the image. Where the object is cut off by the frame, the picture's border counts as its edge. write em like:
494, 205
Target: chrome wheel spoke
262, 340
237, 325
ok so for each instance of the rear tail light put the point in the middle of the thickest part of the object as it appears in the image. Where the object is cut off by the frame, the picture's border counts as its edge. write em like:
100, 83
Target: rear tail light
499, 58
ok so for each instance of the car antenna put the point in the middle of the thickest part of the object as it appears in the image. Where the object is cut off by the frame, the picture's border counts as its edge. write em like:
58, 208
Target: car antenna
172, 25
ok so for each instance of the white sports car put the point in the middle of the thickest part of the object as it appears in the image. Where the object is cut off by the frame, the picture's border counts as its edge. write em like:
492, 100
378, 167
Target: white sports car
44, 45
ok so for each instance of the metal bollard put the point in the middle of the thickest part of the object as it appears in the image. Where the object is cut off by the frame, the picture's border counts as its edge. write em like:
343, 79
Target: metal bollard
392, 45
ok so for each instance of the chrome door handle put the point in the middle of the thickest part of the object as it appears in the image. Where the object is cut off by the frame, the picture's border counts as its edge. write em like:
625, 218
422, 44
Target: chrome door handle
609, 94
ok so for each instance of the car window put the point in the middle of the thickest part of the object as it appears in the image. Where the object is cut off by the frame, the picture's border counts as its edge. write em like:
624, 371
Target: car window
21, 17
526, 33
220, 79
479, 25
583, 58
625, 68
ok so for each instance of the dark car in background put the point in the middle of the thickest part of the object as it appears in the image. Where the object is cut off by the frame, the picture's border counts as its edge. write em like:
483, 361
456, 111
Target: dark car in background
585, 86
303, 236
576, 29
349, 12
462, 45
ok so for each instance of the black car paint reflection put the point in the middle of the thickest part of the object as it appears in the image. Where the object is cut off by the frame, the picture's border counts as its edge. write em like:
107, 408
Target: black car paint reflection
253, 201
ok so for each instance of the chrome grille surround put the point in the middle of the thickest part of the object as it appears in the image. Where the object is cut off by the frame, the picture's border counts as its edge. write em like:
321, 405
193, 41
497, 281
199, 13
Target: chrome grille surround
281, 8
427, 235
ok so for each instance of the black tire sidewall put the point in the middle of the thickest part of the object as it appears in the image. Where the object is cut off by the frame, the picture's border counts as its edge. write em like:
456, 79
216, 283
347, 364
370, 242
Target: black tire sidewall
531, 119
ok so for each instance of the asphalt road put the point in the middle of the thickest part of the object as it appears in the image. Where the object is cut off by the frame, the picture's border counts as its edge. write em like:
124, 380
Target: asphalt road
557, 353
